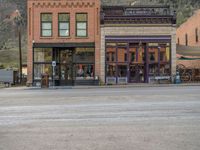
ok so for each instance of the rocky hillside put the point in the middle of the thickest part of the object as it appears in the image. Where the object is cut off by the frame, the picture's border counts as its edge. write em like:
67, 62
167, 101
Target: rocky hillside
8, 28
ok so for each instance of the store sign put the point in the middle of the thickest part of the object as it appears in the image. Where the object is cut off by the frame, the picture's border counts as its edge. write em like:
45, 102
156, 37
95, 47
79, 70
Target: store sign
54, 63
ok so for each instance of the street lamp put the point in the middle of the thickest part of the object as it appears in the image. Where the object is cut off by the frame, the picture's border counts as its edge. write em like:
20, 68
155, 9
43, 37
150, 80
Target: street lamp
18, 20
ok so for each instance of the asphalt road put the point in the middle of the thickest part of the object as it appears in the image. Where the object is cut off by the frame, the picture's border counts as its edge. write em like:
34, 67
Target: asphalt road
157, 118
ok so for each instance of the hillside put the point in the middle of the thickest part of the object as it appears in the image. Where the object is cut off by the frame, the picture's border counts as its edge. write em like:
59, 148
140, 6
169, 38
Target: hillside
8, 28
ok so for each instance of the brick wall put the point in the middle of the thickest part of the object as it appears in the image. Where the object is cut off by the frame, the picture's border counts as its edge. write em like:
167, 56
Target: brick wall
36, 7
189, 28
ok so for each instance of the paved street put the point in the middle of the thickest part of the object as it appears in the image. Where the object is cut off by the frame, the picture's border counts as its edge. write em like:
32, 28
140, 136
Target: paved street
137, 118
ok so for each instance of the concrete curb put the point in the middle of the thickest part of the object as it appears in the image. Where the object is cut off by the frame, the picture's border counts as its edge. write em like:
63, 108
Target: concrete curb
107, 86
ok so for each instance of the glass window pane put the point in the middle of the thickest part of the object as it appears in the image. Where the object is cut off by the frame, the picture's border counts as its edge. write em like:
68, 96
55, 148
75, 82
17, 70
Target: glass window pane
84, 55
46, 32
165, 69
46, 25
84, 71
64, 25
153, 54
81, 17
153, 69
81, 33
42, 55
64, 32
122, 71
121, 55
81, 25
46, 17
63, 17
40, 69
110, 70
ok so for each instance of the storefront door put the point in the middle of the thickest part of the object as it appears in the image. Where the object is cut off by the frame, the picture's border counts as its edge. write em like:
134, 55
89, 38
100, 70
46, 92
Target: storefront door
66, 67
136, 73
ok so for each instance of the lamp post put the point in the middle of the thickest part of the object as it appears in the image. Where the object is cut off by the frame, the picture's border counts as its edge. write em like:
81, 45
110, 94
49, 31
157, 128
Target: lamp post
19, 22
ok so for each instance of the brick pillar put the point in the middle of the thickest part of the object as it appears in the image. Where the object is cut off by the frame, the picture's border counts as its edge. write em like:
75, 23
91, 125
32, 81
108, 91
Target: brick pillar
102, 53
173, 51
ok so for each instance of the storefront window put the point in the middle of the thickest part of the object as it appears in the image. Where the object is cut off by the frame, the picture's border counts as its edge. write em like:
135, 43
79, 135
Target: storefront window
111, 44
84, 55
42, 55
164, 69
153, 54
122, 70
111, 70
141, 55
111, 55
40, 69
121, 55
132, 55
153, 69
84, 71
164, 54
65, 56
159, 60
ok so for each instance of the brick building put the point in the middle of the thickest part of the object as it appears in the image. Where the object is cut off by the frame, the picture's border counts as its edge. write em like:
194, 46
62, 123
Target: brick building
188, 42
116, 44
68, 32
188, 33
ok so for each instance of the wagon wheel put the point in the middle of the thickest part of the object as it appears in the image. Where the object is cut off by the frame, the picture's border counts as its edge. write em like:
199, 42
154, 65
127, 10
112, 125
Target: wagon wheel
186, 77
181, 69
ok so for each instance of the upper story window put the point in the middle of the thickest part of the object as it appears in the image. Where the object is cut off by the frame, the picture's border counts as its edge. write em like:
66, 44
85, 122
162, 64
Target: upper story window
178, 41
186, 39
197, 35
46, 24
64, 24
81, 25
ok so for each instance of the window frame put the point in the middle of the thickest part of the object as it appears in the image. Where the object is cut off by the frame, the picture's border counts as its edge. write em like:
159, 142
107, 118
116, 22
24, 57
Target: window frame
63, 22
41, 24
196, 35
186, 39
82, 29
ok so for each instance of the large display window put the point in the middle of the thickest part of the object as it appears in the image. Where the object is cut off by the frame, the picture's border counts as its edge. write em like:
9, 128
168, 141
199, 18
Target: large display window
84, 55
40, 69
84, 71
136, 62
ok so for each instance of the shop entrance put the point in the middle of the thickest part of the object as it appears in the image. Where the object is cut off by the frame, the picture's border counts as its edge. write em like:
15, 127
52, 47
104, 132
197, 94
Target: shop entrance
64, 69
136, 73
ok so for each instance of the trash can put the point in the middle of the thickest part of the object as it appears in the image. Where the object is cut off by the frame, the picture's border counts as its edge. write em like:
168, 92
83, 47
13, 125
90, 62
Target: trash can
177, 78
45, 81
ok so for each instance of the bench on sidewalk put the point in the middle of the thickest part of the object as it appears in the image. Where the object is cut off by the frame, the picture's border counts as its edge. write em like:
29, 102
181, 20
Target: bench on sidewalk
162, 78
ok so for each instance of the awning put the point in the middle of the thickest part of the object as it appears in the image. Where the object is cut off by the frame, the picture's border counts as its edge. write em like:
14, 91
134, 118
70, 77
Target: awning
188, 50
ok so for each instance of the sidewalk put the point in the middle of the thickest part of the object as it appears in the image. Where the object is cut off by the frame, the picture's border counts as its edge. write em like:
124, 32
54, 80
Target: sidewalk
144, 85
126, 86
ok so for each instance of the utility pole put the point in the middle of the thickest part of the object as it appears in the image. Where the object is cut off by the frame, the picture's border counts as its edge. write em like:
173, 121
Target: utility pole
19, 23
20, 53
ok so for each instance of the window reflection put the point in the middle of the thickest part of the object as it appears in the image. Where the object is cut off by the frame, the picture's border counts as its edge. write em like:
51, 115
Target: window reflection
111, 70
42, 55
84, 55
40, 69
84, 71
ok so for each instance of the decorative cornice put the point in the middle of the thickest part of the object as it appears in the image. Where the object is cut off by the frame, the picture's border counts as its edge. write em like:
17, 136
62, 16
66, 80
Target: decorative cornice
57, 4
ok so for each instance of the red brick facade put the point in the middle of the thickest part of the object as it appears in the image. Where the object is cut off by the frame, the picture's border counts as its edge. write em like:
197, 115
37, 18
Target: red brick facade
189, 32
36, 7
